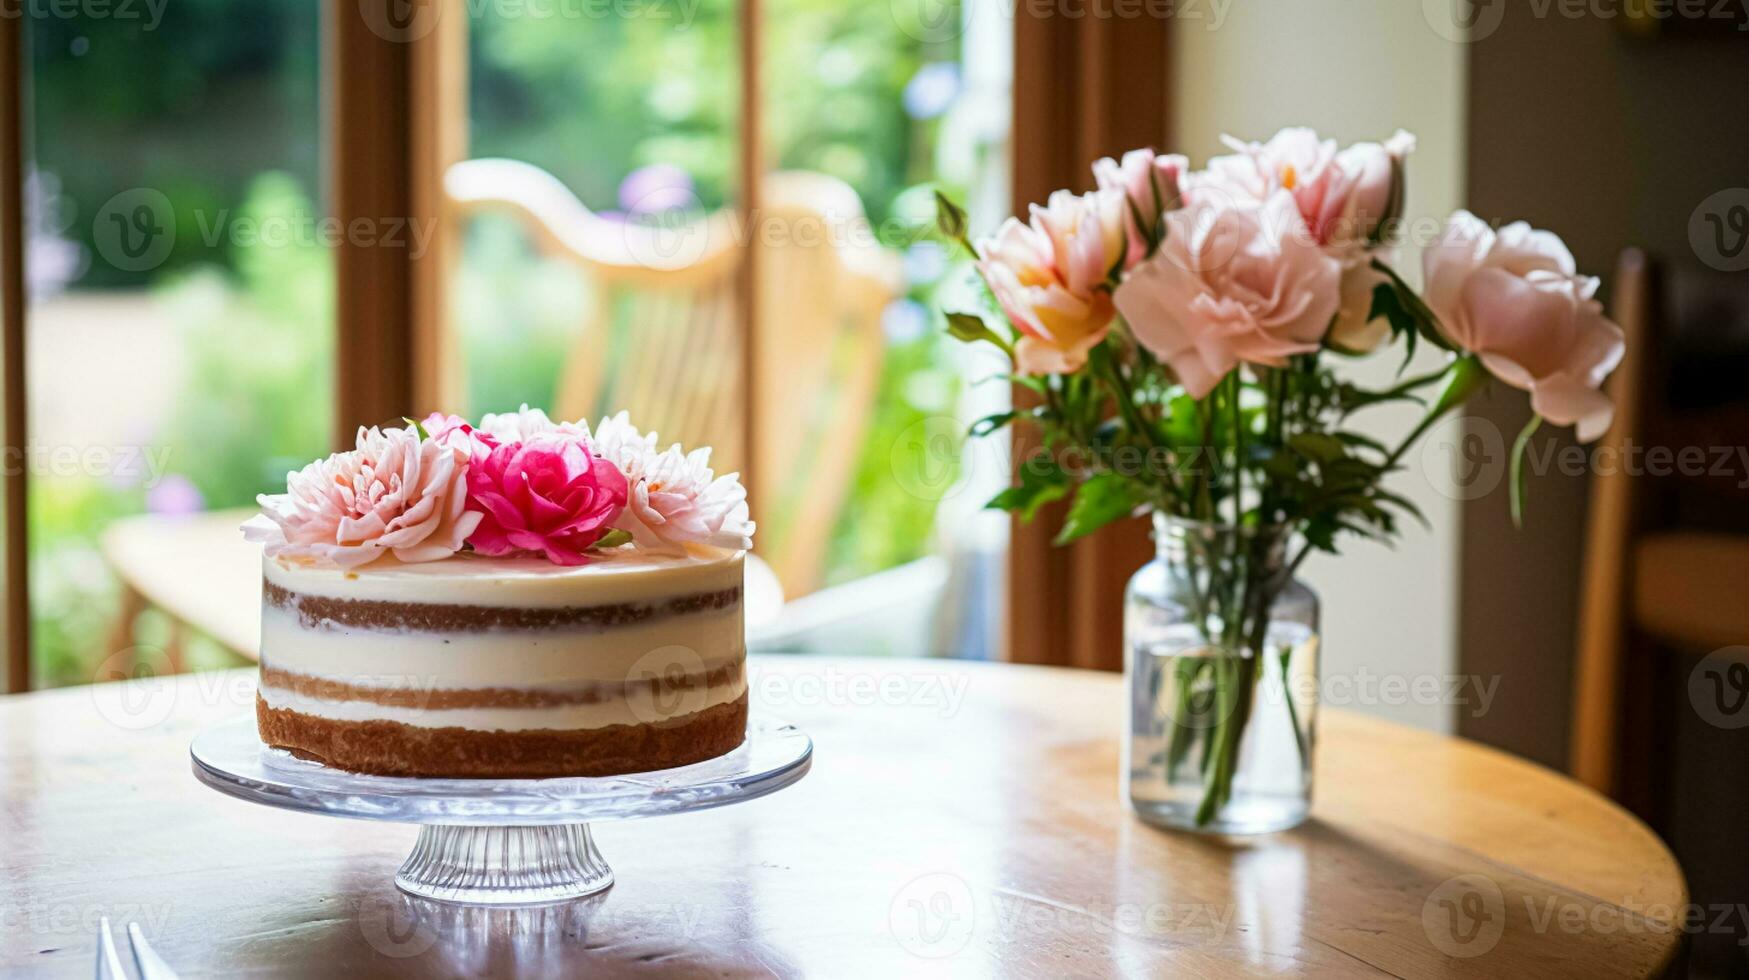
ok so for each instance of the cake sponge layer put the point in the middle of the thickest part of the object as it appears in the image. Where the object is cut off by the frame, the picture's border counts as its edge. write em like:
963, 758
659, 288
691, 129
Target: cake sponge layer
388, 748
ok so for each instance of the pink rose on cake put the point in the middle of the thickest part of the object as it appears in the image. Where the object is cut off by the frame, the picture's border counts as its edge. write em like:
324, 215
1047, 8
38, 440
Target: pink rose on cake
396, 493
674, 499
548, 494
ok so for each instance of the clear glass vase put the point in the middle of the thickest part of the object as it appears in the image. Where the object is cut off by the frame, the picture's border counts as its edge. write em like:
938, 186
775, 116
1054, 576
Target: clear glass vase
1221, 659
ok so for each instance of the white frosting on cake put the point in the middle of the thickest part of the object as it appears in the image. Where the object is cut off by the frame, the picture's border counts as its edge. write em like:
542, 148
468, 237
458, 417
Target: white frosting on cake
385, 658
617, 659
467, 579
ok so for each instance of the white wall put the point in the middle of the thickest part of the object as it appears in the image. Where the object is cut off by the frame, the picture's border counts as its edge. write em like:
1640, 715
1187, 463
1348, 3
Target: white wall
1354, 70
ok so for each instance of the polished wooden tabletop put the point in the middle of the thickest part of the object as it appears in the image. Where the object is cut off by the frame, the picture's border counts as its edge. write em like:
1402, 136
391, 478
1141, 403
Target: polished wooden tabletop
960, 819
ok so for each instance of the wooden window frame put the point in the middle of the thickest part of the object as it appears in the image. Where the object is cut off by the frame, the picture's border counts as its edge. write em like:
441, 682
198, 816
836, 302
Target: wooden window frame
395, 111
1087, 86
13, 511
399, 125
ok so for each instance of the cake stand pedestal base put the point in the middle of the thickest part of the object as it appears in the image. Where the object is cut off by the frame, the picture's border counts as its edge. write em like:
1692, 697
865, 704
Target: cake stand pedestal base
499, 842
504, 865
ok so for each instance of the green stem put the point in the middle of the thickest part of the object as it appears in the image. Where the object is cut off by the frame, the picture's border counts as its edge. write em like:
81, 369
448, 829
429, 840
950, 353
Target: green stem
1234, 390
1293, 711
1467, 376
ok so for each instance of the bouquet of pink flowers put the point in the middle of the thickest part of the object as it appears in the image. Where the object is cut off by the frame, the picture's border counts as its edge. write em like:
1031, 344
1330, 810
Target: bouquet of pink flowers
1184, 332
518, 484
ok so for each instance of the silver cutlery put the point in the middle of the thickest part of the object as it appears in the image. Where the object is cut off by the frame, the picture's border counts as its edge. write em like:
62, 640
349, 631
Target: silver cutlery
147, 962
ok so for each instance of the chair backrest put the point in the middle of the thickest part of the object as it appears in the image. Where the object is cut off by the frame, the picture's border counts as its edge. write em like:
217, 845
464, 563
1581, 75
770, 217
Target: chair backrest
1610, 523
662, 336
1679, 388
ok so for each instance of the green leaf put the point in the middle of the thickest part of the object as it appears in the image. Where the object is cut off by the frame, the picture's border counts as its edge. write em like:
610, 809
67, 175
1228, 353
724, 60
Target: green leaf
971, 328
1101, 500
1404, 504
1318, 447
1406, 310
612, 539
1041, 481
990, 423
1516, 475
417, 427
1363, 442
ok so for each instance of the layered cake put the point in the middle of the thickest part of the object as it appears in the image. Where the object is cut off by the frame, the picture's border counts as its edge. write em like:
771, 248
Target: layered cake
521, 599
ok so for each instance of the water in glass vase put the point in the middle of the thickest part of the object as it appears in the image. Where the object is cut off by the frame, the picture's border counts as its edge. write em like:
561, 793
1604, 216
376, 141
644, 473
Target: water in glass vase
1220, 734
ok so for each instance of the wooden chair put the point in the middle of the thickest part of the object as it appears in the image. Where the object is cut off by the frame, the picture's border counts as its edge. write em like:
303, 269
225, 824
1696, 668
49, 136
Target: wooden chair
196, 569
661, 337
662, 340
1666, 555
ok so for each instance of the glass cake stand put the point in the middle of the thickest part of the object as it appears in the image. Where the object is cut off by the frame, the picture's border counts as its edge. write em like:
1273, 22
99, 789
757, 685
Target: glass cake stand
499, 841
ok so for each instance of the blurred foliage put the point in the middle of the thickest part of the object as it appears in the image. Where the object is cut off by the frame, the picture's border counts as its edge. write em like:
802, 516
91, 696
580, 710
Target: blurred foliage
195, 104
258, 350
219, 112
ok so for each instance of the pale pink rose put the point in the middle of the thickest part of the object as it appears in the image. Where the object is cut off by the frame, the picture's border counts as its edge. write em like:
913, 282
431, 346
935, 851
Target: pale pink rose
1231, 285
1150, 185
1344, 197
396, 493
1051, 277
674, 503
1515, 299
1376, 198
1294, 160
549, 494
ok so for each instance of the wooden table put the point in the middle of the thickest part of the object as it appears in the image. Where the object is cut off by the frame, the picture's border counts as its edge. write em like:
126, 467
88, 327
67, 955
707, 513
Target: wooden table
961, 819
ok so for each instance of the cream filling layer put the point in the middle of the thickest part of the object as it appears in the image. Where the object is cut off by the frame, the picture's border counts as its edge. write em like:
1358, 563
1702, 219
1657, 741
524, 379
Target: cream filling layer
642, 707
689, 644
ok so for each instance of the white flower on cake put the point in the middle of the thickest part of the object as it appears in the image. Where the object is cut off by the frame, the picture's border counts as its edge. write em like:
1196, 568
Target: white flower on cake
395, 493
675, 500
526, 423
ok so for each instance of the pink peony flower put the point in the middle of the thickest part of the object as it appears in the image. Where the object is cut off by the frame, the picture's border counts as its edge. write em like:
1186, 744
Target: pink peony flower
1150, 185
675, 501
1231, 284
548, 494
1050, 277
1376, 195
1515, 299
1345, 198
394, 493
